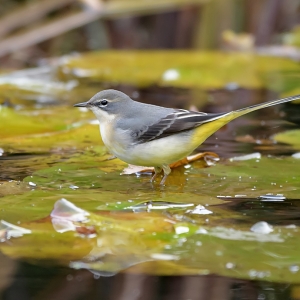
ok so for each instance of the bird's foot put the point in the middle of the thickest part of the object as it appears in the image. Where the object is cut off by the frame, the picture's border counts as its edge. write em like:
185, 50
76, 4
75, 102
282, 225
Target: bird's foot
157, 170
167, 171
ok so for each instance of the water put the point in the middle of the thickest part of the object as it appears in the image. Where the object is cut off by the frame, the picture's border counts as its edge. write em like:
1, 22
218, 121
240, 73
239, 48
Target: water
54, 282
218, 255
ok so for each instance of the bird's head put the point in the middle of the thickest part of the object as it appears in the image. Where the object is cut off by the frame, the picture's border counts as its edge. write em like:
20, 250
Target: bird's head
107, 104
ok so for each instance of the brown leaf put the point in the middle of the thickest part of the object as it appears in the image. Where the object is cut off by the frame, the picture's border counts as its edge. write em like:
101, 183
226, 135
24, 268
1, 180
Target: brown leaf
132, 169
3, 235
191, 158
86, 230
250, 139
209, 157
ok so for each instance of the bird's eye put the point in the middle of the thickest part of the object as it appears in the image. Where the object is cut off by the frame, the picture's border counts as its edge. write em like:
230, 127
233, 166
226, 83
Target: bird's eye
104, 102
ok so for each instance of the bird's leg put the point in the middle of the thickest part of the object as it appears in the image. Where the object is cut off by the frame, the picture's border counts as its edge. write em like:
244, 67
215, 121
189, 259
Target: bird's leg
157, 170
167, 171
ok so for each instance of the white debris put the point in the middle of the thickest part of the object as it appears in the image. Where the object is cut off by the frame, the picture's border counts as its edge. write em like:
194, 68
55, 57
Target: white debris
232, 86
262, 227
170, 75
272, 197
181, 229
201, 231
255, 155
230, 265
294, 268
199, 210
73, 187
296, 155
164, 256
61, 225
64, 209
13, 230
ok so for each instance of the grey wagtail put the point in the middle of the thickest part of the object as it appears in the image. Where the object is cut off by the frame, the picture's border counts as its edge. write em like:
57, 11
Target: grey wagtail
154, 136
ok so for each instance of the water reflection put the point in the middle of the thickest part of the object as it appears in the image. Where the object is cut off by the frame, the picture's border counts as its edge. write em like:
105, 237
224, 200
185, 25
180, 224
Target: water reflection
20, 280
283, 213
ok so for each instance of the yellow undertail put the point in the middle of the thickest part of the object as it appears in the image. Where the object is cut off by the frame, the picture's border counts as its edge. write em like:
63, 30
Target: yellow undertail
205, 130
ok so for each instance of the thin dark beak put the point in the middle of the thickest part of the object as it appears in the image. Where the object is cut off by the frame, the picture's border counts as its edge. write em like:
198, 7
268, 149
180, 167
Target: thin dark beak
82, 104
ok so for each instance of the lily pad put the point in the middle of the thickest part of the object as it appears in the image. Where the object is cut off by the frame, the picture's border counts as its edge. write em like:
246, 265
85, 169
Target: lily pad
21, 123
185, 69
291, 137
86, 136
109, 243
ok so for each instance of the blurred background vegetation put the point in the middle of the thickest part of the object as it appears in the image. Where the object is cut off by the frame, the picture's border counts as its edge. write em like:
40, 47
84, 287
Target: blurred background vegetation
35, 29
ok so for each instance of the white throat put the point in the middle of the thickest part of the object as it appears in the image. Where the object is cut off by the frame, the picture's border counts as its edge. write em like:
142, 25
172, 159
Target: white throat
102, 116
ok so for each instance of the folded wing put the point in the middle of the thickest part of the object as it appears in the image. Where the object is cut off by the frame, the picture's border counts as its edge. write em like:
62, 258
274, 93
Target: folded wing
178, 121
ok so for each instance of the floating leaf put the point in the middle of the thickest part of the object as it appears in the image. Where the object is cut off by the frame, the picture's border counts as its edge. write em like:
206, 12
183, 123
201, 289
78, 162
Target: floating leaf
108, 243
73, 138
186, 69
291, 137
42, 122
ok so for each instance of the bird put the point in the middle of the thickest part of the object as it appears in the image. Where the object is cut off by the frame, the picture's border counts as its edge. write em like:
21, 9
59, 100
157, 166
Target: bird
155, 136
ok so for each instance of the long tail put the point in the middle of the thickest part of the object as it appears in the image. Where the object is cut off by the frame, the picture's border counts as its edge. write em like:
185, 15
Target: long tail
213, 124
246, 110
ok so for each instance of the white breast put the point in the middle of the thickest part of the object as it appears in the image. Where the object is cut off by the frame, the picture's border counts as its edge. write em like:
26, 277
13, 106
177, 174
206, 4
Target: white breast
154, 153
115, 141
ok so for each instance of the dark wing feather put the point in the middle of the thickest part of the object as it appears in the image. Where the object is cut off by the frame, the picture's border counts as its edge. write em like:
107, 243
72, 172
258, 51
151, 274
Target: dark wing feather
178, 121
